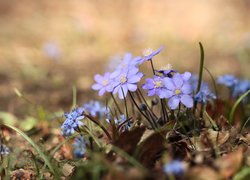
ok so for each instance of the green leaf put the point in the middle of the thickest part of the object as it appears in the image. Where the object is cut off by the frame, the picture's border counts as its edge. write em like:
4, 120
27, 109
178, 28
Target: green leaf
244, 173
28, 123
8, 118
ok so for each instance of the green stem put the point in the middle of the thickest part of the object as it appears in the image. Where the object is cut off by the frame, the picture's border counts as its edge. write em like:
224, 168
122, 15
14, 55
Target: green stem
100, 125
140, 109
116, 103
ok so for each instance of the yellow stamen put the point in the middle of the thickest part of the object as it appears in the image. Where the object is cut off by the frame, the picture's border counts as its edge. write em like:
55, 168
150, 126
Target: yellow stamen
123, 79
105, 82
177, 91
158, 84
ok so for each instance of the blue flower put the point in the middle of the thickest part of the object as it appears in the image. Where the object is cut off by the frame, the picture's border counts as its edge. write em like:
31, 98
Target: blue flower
240, 88
180, 89
124, 80
174, 167
72, 122
149, 54
79, 147
204, 94
4, 150
102, 83
156, 86
96, 109
128, 62
227, 80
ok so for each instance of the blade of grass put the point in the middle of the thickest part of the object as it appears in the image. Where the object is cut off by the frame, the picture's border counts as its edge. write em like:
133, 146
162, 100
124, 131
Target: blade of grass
211, 121
36, 147
201, 67
74, 96
248, 119
213, 81
231, 114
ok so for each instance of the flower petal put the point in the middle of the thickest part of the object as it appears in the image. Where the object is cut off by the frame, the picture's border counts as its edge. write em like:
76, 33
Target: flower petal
186, 76
132, 87
96, 86
120, 94
168, 83
186, 88
151, 92
178, 81
187, 101
102, 91
98, 78
173, 102
134, 79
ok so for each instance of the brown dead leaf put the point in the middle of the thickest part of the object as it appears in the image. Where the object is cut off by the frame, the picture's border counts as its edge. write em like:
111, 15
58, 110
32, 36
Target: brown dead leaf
229, 164
23, 174
68, 169
150, 149
209, 139
128, 140
223, 123
202, 173
245, 138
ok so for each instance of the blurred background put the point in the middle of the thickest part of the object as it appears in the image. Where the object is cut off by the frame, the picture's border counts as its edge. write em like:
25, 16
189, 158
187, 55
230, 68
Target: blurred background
47, 47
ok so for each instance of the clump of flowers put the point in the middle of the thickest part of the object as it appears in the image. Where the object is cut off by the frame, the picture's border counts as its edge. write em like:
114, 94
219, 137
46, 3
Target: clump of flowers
236, 86
165, 103
96, 109
73, 121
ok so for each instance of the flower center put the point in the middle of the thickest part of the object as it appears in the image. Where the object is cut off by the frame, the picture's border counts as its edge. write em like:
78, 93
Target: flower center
123, 79
105, 82
158, 84
147, 52
177, 91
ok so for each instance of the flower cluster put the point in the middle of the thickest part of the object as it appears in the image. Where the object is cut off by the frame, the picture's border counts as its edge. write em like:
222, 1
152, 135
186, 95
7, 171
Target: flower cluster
73, 121
125, 77
236, 86
177, 89
96, 109
168, 83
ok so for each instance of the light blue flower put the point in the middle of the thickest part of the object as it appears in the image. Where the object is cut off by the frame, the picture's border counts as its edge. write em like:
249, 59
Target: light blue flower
180, 89
96, 109
156, 86
204, 94
227, 80
103, 83
174, 167
125, 80
79, 147
72, 122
